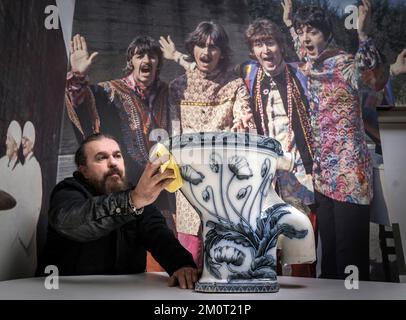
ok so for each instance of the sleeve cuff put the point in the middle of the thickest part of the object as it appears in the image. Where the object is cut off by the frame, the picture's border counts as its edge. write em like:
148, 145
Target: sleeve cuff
132, 209
76, 76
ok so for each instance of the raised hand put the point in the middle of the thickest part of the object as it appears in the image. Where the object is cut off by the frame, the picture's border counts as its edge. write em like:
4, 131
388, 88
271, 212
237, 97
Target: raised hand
80, 60
287, 12
151, 183
364, 15
399, 67
168, 48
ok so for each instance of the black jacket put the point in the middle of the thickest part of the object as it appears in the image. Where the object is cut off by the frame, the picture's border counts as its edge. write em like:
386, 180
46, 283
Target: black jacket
111, 123
96, 234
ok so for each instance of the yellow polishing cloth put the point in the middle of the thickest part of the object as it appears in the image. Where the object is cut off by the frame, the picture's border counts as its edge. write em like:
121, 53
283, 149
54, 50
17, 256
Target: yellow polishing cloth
160, 150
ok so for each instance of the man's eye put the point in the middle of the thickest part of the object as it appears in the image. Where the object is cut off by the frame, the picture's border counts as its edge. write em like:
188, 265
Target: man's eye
100, 158
118, 156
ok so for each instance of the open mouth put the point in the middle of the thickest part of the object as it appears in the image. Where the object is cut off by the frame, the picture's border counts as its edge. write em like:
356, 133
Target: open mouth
205, 59
310, 48
268, 59
146, 68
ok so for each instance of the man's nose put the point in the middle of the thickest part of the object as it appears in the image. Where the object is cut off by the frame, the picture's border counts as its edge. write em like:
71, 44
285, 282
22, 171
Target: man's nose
306, 36
112, 161
146, 58
266, 47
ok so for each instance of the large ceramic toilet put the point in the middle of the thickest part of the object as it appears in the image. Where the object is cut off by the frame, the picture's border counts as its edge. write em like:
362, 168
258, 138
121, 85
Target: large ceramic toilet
227, 177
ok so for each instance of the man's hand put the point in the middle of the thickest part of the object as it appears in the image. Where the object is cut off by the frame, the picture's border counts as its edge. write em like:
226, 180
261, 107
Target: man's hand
242, 124
168, 48
364, 15
185, 277
399, 67
79, 56
151, 183
287, 12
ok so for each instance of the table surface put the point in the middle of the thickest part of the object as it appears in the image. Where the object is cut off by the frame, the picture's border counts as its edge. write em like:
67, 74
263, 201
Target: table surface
153, 286
392, 115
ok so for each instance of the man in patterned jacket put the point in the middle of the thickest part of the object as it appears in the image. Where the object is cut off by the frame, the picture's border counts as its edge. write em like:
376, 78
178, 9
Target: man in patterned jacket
131, 108
342, 168
208, 97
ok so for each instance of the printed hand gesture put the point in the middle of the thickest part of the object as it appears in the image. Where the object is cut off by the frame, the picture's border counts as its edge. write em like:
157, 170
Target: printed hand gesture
79, 56
242, 124
364, 15
287, 12
399, 67
168, 47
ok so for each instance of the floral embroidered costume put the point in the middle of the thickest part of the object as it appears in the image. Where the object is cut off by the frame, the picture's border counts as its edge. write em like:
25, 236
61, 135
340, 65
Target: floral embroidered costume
282, 115
122, 109
203, 102
342, 167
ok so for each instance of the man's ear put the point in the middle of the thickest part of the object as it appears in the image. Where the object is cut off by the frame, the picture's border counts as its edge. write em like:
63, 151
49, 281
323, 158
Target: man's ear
252, 55
326, 42
83, 170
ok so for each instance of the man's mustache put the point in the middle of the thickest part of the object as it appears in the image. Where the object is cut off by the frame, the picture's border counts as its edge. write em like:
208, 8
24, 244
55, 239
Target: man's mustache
146, 66
113, 171
205, 58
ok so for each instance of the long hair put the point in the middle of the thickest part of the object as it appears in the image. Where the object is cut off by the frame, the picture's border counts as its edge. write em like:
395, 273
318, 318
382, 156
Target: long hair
142, 45
217, 34
315, 17
263, 29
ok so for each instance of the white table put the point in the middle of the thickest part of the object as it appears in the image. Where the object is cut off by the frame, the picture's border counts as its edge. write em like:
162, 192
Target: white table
153, 286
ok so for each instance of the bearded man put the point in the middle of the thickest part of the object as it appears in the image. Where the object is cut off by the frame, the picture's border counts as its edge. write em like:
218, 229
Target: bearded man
98, 224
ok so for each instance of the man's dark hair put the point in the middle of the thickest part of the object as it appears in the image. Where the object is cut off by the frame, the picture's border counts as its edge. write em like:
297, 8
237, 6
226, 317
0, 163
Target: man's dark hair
218, 35
263, 29
315, 17
142, 45
80, 157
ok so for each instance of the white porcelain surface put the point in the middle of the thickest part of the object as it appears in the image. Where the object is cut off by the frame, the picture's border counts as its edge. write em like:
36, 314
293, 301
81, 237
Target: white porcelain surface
228, 180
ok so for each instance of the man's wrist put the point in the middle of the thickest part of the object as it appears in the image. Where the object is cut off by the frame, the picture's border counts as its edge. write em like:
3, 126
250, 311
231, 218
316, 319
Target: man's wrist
137, 210
392, 71
288, 23
176, 56
78, 75
362, 36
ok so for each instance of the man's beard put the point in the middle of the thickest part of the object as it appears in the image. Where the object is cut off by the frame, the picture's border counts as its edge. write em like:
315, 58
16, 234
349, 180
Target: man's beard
110, 184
